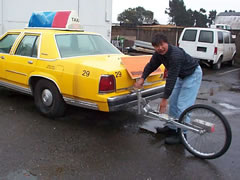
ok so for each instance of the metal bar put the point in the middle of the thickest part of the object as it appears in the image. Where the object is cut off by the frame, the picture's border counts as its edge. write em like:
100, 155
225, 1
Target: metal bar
139, 96
172, 121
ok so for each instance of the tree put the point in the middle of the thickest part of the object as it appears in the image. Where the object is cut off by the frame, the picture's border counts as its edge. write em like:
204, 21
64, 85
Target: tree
189, 20
177, 12
200, 18
212, 16
155, 21
230, 11
182, 17
137, 16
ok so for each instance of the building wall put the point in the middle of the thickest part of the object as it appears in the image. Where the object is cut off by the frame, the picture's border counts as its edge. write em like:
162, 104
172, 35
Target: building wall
1, 17
95, 16
233, 21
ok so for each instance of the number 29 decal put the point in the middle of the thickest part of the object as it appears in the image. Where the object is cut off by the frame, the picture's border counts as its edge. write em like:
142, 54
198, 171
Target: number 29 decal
118, 74
86, 73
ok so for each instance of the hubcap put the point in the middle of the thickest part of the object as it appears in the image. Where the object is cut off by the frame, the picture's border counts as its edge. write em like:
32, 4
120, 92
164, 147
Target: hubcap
47, 97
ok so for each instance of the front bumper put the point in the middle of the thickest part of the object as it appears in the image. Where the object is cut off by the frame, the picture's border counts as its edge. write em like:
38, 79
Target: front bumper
129, 100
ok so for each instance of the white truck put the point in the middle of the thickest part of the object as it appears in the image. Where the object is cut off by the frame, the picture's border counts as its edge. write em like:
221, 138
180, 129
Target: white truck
210, 45
221, 26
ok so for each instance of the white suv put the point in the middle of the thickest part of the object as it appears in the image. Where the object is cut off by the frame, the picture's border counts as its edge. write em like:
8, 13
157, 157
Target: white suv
213, 46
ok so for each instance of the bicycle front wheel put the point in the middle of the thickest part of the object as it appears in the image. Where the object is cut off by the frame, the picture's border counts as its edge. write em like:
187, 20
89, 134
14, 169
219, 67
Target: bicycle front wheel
214, 133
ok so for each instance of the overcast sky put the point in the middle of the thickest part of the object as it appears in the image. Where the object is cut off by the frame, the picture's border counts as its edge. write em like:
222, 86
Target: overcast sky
159, 6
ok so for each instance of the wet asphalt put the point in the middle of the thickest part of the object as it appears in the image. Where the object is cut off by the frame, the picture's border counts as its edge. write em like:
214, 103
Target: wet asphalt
93, 145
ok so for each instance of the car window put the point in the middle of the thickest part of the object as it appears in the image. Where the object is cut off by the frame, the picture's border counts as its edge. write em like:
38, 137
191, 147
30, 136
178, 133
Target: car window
35, 48
226, 37
228, 27
206, 36
7, 42
220, 26
220, 37
72, 45
28, 46
189, 35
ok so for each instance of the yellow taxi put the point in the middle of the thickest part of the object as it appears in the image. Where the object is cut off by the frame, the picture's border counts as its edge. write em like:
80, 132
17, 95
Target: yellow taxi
59, 66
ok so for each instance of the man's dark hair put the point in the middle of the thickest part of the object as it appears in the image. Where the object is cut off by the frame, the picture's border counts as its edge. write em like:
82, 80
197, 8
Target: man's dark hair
158, 39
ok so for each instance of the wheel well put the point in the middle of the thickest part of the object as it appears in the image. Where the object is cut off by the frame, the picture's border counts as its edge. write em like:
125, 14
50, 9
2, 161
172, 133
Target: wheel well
234, 55
220, 58
34, 79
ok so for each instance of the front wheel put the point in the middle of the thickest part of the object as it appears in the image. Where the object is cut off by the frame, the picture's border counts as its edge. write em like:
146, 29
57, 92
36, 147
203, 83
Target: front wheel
48, 99
214, 136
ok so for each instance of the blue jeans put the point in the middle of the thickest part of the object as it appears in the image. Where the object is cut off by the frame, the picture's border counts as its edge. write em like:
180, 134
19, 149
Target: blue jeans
184, 94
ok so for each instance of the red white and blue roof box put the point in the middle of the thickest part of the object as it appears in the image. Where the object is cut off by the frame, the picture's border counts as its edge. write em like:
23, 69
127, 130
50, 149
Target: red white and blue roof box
55, 19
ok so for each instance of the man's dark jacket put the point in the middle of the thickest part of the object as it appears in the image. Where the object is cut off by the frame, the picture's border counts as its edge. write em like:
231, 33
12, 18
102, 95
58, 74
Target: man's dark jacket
176, 61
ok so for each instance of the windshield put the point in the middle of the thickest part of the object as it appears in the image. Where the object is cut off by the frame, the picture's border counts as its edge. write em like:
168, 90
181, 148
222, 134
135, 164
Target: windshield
72, 45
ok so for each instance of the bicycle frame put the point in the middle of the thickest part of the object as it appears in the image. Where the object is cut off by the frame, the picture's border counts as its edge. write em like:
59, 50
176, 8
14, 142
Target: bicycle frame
144, 107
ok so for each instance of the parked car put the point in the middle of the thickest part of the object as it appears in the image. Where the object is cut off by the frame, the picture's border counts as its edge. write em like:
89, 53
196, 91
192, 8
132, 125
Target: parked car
210, 45
222, 26
60, 66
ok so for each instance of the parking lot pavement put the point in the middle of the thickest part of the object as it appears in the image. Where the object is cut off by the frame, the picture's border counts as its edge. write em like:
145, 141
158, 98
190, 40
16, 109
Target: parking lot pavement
86, 144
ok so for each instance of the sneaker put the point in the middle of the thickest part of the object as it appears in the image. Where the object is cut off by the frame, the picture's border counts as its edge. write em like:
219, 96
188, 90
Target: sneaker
166, 130
175, 139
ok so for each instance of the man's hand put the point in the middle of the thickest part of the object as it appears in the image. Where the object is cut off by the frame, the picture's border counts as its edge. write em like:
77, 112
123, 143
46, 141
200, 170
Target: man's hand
163, 106
139, 83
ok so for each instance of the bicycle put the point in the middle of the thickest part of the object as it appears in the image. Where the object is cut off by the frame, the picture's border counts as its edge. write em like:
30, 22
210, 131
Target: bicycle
204, 131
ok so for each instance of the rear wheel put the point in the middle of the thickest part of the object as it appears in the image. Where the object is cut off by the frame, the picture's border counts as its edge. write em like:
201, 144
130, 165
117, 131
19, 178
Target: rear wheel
215, 134
232, 62
217, 66
48, 99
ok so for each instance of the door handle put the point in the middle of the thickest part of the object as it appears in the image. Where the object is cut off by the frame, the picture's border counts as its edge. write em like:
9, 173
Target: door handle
30, 62
2, 57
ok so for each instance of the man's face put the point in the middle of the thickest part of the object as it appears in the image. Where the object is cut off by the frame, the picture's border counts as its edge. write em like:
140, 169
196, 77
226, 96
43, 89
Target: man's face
162, 48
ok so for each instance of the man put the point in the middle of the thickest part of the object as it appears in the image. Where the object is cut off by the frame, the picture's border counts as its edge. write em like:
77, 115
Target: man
182, 83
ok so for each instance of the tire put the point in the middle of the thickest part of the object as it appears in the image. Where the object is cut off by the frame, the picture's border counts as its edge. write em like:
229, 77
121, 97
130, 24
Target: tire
232, 61
217, 66
48, 99
216, 139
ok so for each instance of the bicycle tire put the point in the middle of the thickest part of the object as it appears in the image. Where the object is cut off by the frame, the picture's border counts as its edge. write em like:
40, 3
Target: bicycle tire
219, 125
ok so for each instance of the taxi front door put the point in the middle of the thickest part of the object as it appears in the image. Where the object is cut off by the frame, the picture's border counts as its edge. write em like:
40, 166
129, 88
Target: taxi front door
19, 65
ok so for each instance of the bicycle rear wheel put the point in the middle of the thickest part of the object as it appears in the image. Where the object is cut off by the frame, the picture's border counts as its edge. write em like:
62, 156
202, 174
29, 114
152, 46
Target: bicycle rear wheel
215, 134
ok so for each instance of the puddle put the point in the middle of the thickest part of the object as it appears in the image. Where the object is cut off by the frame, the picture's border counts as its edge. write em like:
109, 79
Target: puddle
20, 175
228, 106
151, 125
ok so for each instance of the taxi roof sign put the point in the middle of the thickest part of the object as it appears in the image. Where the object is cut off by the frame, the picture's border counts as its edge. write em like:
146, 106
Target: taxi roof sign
55, 19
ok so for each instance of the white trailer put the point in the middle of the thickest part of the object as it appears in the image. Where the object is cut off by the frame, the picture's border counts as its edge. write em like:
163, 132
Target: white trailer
94, 15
